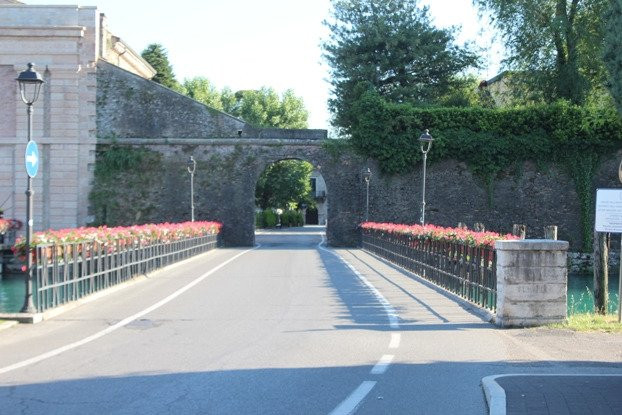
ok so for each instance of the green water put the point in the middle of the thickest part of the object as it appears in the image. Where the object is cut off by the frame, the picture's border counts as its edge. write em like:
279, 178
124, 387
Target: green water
580, 293
580, 300
12, 292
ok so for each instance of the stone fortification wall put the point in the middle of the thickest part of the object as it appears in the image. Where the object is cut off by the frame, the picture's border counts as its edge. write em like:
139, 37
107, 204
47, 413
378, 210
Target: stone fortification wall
130, 106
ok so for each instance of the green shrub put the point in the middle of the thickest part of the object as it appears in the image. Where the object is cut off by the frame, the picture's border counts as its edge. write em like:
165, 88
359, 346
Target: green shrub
269, 218
291, 218
259, 223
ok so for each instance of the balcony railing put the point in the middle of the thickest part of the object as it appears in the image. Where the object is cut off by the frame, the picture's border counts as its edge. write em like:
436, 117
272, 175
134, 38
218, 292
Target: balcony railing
68, 272
467, 271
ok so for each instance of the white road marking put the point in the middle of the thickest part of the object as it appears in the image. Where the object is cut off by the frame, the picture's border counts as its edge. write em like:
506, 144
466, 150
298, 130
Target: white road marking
352, 402
382, 365
122, 323
388, 308
395, 340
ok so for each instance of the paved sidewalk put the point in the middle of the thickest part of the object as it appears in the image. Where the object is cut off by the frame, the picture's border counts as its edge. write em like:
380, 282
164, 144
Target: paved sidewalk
554, 394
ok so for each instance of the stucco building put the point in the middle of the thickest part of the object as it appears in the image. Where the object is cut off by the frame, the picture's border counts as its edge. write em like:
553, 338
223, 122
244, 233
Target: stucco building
66, 43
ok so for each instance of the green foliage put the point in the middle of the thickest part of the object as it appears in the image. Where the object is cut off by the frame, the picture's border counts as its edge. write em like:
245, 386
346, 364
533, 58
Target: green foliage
491, 140
292, 218
284, 184
266, 219
613, 51
554, 45
157, 57
119, 198
261, 108
391, 47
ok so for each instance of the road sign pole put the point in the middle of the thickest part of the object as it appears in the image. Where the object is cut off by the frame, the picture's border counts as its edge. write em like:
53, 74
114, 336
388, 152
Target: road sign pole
29, 306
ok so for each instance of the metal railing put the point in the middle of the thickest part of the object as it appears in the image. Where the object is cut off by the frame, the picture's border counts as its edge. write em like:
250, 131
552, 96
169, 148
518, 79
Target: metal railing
68, 272
467, 271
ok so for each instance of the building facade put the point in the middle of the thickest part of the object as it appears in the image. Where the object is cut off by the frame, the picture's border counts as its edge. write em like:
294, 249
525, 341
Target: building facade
65, 43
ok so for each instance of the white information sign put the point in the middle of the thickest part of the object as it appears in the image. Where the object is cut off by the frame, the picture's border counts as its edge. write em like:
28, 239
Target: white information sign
609, 210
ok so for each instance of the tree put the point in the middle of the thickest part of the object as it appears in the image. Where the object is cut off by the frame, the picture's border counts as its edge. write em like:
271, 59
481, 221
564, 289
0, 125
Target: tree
284, 184
157, 57
261, 108
202, 90
391, 47
613, 51
554, 45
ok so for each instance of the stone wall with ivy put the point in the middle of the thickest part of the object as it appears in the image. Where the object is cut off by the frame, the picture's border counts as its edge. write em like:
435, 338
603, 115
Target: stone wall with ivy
511, 157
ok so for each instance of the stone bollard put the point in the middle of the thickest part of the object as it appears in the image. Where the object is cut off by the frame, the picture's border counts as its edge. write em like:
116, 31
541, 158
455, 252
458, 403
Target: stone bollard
550, 232
532, 276
519, 230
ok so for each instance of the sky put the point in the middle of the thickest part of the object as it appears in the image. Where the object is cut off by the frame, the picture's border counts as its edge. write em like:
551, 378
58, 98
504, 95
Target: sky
247, 44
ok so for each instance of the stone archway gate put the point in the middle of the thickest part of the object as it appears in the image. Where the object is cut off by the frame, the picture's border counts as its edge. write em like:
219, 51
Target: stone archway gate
156, 186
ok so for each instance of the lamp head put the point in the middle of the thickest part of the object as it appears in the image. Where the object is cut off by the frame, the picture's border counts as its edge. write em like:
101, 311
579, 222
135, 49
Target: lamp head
30, 82
426, 141
191, 164
367, 175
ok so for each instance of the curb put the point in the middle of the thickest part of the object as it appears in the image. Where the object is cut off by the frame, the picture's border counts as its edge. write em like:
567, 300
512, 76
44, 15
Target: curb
8, 324
495, 394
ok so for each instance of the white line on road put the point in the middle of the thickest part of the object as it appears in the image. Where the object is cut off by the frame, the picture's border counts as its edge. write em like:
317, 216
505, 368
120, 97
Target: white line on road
382, 365
388, 308
122, 323
348, 406
395, 340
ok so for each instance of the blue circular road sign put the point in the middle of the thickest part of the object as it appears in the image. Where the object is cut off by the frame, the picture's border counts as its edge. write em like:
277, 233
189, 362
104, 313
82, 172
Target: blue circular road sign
32, 159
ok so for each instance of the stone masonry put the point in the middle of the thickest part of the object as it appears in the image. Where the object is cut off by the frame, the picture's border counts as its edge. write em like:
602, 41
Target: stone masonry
532, 280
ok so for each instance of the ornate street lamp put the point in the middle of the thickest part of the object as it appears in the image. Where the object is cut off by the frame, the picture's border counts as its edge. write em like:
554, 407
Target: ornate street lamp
30, 82
426, 143
192, 165
366, 178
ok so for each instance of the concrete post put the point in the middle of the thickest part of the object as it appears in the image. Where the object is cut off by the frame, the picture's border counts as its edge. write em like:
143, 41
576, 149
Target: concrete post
532, 277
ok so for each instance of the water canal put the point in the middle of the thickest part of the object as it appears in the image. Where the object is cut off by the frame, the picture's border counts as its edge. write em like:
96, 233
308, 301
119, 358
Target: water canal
580, 288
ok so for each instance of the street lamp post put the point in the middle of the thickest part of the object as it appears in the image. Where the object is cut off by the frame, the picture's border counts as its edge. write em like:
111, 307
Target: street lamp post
426, 143
367, 177
30, 82
192, 165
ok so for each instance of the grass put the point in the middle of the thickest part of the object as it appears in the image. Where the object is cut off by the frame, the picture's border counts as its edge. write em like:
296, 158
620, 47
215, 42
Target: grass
591, 322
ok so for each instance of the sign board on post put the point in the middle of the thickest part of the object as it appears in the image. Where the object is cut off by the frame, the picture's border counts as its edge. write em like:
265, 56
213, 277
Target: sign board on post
609, 210
32, 159
609, 219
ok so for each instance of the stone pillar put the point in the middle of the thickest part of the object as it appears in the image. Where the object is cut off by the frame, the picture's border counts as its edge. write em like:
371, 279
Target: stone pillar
532, 276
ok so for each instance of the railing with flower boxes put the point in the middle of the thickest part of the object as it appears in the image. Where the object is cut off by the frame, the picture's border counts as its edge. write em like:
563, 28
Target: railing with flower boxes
74, 263
458, 260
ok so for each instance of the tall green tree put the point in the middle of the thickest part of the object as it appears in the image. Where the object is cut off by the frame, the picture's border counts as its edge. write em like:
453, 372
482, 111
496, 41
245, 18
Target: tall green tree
613, 51
157, 57
284, 184
553, 45
392, 47
261, 108
202, 90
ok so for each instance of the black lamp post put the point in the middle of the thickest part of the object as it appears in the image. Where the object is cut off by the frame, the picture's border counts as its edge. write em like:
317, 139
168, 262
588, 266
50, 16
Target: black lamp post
367, 177
426, 143
30, 82
192, 165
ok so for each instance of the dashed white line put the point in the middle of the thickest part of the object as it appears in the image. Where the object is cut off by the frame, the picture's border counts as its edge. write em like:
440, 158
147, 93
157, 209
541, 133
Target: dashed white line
348, 406
382, 365
395, 340
121, 323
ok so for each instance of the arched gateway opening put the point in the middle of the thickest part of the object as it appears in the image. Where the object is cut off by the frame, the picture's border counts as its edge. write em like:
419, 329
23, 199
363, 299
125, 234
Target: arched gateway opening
290, 193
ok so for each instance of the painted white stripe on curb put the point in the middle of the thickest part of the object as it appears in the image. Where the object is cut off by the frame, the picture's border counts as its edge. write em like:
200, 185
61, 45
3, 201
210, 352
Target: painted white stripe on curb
388, 308
382, 365
121, 323
395, 340
352, 402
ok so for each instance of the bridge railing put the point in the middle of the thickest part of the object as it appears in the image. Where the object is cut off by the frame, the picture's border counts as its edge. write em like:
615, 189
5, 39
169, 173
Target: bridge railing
468, 271
68, 272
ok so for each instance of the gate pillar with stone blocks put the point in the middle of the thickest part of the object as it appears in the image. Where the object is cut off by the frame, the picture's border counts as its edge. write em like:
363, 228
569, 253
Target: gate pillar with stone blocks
532, 277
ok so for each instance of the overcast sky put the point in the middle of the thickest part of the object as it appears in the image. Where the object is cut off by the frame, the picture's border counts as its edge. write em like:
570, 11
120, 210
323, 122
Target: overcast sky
246, 44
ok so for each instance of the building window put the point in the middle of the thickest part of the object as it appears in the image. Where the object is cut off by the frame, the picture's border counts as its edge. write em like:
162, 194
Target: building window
313, 185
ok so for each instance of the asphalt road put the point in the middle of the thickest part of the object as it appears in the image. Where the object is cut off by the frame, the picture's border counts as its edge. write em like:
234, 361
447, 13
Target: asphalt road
290, 327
